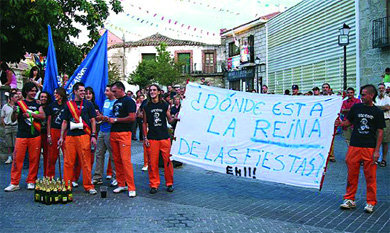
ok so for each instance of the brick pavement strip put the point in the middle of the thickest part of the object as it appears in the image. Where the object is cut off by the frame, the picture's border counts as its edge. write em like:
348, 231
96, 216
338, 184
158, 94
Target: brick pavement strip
203, 201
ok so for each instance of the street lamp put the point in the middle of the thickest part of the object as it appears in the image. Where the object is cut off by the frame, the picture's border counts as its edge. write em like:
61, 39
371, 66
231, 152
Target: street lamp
344, 41
257, 63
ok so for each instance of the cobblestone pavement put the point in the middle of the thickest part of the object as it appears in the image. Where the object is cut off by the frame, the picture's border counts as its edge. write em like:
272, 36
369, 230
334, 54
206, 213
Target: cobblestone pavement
203, 201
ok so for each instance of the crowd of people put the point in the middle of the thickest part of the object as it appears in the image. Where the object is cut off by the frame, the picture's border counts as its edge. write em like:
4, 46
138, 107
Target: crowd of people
83, 132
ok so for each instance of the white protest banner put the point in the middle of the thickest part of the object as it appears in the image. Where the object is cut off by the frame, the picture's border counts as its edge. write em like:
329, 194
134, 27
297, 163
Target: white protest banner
278, 138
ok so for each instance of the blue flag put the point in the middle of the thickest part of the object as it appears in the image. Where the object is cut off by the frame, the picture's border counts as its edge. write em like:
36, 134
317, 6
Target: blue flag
50, 83
93, 71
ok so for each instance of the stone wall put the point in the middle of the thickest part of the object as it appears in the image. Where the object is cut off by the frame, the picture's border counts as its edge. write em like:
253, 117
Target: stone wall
373, 61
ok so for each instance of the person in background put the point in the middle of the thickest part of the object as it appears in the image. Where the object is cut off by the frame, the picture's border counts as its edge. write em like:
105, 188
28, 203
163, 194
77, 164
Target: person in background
316, 91
130, 94
9, 76
326, 90
10, 127
295, 90
19, 95
368, 123
388, 91
54, 121
45, 100
65, 79
175, 109
157, 139
171, 92
264, 89
386, 76
139, 114
383, 102
287, 92
345, 108
80, 124
103, 141
35, 77
124, 110
28, 137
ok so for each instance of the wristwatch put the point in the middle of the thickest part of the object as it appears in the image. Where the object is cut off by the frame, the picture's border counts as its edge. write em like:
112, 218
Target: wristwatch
115, 120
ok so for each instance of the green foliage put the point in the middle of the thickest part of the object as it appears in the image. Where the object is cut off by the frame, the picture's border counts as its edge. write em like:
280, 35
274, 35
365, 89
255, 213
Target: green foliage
113, 73
24, 27
163, 70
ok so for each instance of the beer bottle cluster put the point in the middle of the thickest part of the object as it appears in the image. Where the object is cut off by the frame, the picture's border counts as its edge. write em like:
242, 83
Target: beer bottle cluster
49, 191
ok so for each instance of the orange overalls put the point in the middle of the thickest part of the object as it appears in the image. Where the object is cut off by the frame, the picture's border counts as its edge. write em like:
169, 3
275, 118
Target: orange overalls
153, 152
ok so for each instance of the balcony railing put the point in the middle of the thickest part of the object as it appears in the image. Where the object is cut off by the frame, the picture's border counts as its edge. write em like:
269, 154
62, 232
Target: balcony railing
381, 32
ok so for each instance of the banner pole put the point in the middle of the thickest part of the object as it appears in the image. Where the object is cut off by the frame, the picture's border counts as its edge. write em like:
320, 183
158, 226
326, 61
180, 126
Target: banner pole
327, 159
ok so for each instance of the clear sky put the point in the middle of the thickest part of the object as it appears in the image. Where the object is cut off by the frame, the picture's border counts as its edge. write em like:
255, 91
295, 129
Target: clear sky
188, 19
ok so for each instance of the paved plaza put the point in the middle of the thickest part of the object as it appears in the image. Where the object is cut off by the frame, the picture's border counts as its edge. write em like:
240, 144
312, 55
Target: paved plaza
203, 201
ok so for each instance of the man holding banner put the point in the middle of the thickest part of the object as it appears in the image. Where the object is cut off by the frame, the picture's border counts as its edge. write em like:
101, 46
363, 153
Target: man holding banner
157, 138
368, 123
79, 121
27, 138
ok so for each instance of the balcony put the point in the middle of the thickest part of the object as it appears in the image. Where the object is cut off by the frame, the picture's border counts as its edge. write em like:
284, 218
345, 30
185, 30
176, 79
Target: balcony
381, 33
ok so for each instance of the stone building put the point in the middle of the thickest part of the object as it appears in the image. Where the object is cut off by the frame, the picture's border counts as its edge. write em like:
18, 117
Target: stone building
199, 60
245, 49
374, 39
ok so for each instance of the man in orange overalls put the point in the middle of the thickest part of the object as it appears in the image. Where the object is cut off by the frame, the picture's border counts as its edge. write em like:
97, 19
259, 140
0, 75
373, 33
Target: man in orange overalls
27, 138
79, 121
157, 138
368, 123
120, 138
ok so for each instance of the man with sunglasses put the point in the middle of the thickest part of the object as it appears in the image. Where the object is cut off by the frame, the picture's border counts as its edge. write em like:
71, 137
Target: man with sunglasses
345, 108
368, 123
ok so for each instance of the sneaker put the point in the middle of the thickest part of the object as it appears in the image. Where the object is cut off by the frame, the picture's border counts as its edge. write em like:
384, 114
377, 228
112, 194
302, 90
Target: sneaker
120, 189
30, 186
170, 188
92, 191
153, 190
113, 183
12, 188
108, 177
144, 168
9, 160
97, 182
369, 208
132, 194
348, 204
74, 184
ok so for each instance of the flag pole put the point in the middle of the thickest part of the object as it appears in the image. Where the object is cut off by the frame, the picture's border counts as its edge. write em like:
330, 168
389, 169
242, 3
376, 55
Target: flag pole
327, 159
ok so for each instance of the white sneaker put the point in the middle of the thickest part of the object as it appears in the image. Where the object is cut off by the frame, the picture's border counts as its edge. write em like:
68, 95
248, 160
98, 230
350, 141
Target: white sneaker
108, 177
132, 194
114, 182
75, 184
92, 191
120, 189
348, 204
145, 168
30, 186
12, 188
9, 160
369, 208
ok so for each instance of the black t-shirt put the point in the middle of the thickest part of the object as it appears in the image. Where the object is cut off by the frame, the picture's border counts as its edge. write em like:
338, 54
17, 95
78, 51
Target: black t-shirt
87, 113
156, 116
122, 108
366, 120
56, 112
44, 122
24, 124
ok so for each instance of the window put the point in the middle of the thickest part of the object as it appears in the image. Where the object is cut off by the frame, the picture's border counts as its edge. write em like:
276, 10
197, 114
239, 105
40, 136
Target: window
184, 60
148, 56
233, 49
208, 61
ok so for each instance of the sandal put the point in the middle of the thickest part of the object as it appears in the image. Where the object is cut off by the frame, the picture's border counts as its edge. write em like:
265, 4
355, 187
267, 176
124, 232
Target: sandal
383, 163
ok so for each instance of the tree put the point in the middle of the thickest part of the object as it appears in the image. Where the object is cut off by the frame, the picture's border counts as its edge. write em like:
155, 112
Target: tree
24, 27
113, 73
163, 70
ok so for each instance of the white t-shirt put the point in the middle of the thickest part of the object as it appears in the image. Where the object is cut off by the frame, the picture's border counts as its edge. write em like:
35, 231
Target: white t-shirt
6, 113
382, 102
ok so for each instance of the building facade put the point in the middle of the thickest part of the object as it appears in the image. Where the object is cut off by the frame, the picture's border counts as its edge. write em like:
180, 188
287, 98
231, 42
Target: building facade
199, 60
374, 39
245, 50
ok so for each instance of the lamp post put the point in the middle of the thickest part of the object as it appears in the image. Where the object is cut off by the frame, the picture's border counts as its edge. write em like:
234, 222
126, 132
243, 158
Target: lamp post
344, 41
257, 63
